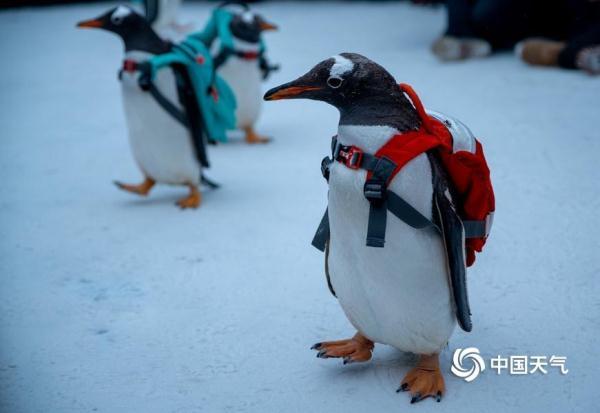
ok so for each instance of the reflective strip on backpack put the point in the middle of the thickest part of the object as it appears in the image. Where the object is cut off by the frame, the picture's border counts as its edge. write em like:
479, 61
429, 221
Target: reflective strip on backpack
462, 137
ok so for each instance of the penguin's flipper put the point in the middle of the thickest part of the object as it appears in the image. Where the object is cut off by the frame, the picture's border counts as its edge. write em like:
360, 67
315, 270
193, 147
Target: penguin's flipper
453, 236
187, 98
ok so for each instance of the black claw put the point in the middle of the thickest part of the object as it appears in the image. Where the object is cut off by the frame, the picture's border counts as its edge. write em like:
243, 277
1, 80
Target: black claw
438, 397
118, 184
416, 398
403, 387
347, 360
322, 354
316, 346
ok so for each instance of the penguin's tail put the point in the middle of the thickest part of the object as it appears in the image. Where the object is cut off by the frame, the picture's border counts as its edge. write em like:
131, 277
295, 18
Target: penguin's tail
208, 182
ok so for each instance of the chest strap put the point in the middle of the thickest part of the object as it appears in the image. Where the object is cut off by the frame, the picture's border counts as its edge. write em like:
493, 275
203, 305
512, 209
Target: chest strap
220, 58
145, 83
380, 198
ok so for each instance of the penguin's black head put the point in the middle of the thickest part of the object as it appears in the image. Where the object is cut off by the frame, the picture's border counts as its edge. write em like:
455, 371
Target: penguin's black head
132, 27
360, 88
248, 26
245, 24
121, 20
341, 80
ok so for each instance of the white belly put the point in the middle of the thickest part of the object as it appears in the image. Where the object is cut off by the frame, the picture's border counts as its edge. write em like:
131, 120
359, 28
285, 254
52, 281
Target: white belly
244, 78
161, 146
397, 295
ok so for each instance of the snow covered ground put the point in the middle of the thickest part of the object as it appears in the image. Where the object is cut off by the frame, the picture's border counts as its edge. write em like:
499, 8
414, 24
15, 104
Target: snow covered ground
111, 303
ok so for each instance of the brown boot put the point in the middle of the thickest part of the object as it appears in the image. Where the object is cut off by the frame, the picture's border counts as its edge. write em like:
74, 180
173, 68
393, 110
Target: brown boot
539, 52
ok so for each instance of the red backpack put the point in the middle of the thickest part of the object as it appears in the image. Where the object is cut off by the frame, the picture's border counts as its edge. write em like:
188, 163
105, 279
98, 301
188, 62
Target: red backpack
461, 156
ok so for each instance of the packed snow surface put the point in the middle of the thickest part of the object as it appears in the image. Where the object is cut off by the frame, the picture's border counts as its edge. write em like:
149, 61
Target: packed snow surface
113, 303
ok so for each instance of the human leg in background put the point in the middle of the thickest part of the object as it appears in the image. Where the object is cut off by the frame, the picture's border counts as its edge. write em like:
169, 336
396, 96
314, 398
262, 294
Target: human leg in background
581, 47
460, 41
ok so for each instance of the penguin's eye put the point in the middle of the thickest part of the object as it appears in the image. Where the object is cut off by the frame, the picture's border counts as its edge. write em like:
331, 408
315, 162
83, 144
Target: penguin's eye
334, 82
116, 19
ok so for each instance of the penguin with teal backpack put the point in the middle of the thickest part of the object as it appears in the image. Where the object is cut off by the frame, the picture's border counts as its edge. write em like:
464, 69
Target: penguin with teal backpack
173, 101
234, 34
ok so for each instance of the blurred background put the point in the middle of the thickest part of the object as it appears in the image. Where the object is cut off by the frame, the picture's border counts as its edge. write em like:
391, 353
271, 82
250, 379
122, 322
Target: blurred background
111, 303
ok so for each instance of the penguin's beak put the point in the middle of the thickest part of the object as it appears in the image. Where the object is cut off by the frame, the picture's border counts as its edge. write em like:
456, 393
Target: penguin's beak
267, 26
301, 88
90, 24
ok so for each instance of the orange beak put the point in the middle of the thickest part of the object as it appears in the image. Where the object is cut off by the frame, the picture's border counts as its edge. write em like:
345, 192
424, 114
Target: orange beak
90, 24
289, 92
266, 26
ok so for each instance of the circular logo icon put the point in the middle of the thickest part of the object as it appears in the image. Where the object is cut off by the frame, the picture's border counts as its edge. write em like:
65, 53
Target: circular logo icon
467, 363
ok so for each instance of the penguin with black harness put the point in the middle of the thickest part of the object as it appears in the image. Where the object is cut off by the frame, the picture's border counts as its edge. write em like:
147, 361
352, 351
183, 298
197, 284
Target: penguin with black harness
173, 102
410, 202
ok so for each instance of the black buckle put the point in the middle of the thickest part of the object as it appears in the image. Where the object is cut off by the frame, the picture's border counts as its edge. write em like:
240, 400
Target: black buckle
375, 191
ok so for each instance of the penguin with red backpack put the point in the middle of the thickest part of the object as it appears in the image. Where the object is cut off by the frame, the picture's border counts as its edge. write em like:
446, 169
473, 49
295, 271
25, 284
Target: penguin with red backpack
410, 203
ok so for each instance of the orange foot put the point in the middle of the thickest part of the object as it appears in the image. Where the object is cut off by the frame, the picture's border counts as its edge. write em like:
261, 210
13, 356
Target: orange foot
142, 189
193, 200
425, 380
253, 137
358, 348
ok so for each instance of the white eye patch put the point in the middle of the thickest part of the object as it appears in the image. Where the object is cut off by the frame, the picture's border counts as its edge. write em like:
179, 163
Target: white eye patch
248, 17
120, 13
340, 67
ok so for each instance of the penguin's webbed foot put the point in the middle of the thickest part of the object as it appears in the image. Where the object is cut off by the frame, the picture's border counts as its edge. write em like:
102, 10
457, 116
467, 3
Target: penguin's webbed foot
357, 349
253, 137
142, 189
193, 200
424, 380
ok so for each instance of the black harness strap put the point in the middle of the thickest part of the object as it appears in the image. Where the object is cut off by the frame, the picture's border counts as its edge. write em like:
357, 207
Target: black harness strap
220, 58
380, 199
375, 191
406, 213
145, 82
187, 97
225, 53
167, 105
